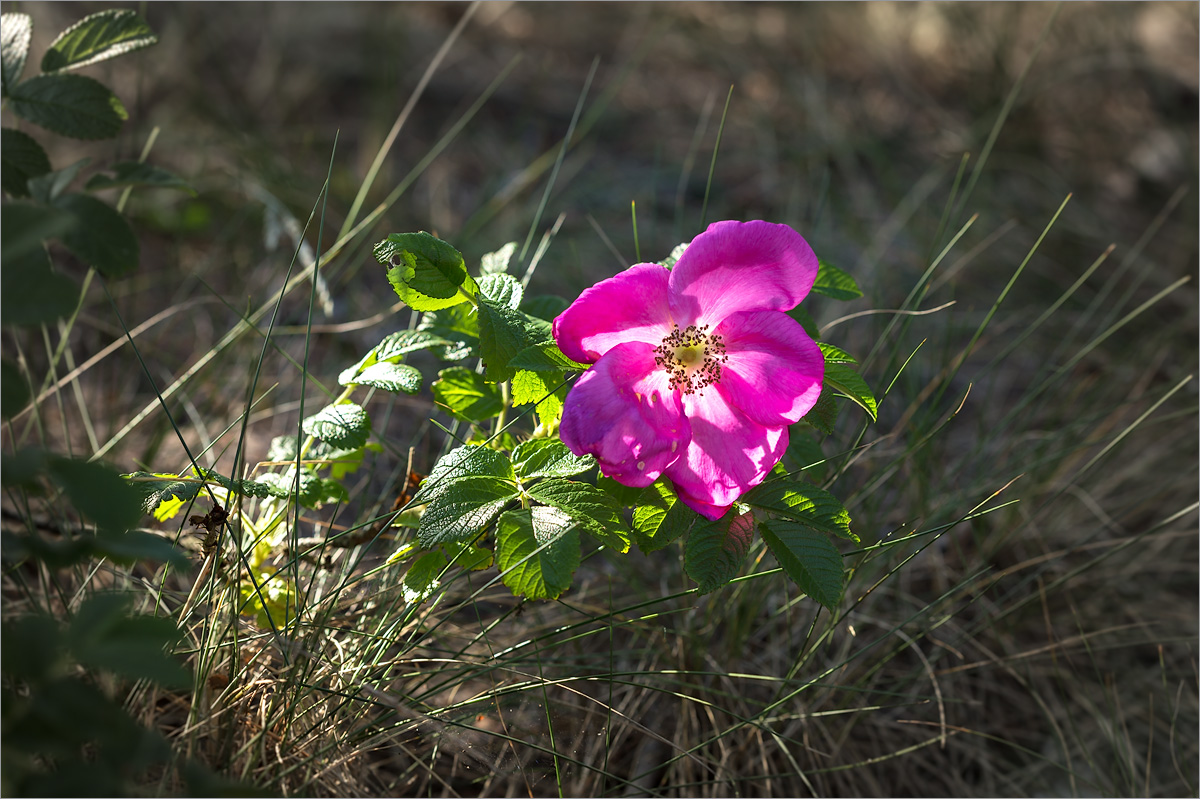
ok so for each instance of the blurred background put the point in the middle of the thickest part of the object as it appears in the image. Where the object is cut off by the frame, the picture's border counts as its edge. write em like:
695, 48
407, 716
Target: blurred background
849, 122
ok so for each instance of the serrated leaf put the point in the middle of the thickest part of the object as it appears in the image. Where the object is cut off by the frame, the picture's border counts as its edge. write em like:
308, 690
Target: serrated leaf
545, 358
462, 510
49, 187
155, 489
101, 237
801, 315
502, 334
466, 395
544, 306
458, 325
390, 377
16, 31
421, 579
502, 289
530, 387
96, 37
97, 492
495, 263
426, 272
801, 502
468, 556
809, 558
402, 342
33, 294
14, 389
136, 173
714, 551
345, 425
625, 496
21, 158
537, 551
824, 412
462, 463
548, 457
852, 386
595, 511
660, 518
70, 105
833, 282
834, 354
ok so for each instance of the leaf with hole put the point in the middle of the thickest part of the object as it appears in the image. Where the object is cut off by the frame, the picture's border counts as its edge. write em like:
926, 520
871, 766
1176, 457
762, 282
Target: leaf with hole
70, 105
96, 37
426, 272
715, 550
345, 425
466, 395
809, 558
537, 552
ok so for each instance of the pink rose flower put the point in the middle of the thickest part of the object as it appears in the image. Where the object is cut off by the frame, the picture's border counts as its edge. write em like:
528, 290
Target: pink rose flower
697, 370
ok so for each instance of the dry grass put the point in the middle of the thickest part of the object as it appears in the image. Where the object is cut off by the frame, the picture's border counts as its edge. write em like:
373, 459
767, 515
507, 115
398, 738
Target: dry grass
1045, 648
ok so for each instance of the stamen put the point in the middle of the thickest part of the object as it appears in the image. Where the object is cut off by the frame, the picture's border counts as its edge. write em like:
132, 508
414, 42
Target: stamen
692, 358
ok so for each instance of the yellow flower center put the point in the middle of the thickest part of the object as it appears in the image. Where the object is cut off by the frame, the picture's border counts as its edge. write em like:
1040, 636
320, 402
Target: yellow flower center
692, 357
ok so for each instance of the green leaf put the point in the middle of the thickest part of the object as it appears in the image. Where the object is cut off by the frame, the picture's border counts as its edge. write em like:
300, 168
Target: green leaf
16, 31
346, 425
391, 350
101, 237
31, 293
102, 636
544, 306
14, 389
809, 558
545, 358
660, 518
426, 272
21, 158
502, 334
852, 386
804, 453
153, 489
458, 325
530, 387
70, 105
96, 37
31, 648
537, 551
495, 263
835, 355
390, 377
421, 579
462, 510
466, 556
801, 315
801, 502
463, 463
625, 496
548, 457
670, 260
22, 468
138, 174
466, 395
833, 282
25, 226
98, 492
590, 507
49, 187
823, 414
715, 550
502, 289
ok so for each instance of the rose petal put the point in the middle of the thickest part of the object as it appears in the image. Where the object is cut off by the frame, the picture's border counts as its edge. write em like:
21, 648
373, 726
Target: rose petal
630, 306
624, 412
773, 370
728, 453
741, 266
